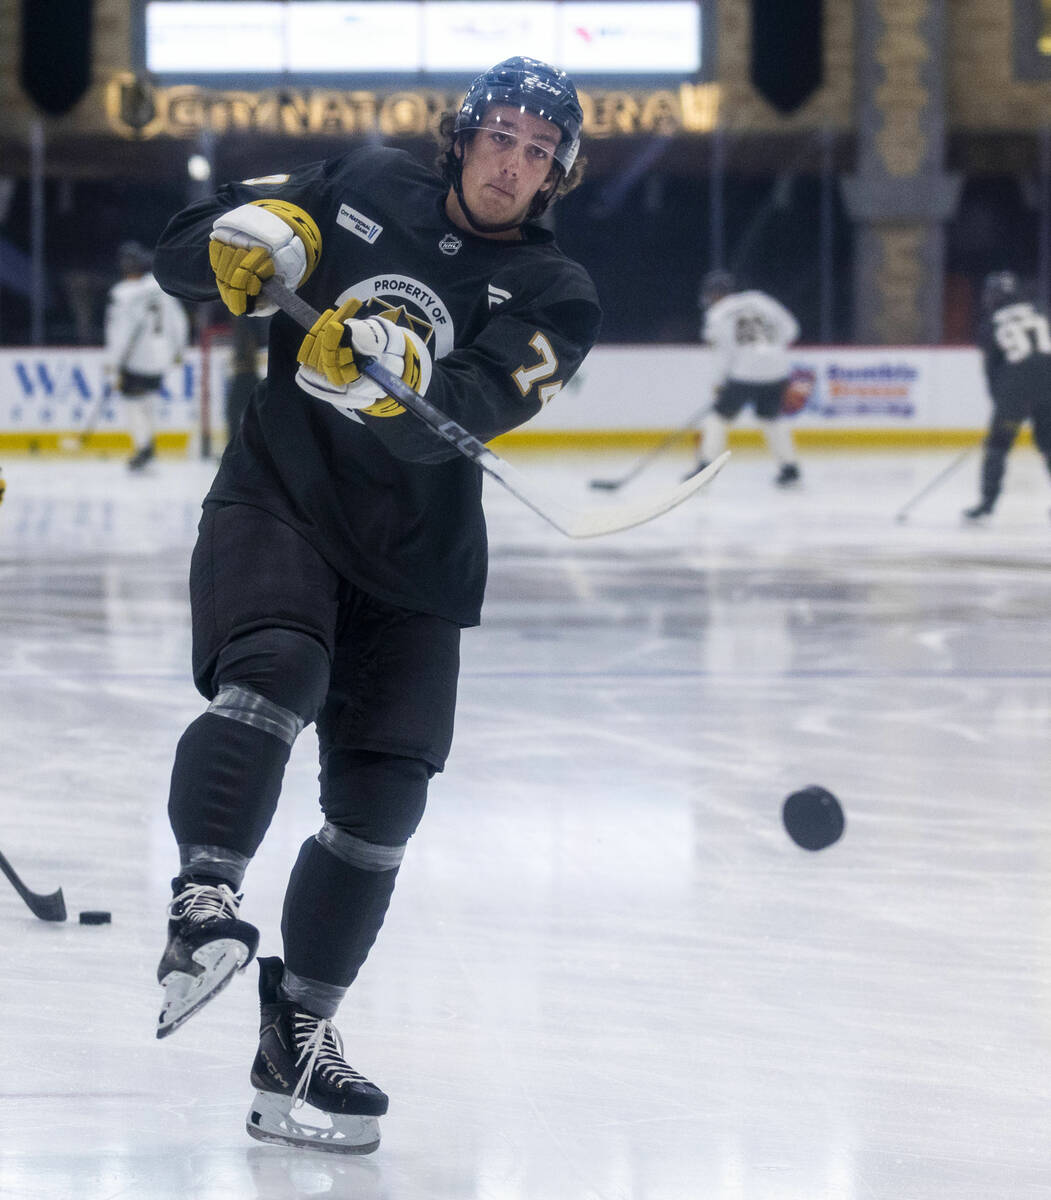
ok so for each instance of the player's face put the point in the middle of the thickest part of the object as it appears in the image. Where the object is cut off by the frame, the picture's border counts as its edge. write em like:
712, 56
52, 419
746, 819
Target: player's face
506, 161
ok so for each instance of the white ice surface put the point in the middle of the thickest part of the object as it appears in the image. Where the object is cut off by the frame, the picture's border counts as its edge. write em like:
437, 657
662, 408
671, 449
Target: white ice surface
606, 973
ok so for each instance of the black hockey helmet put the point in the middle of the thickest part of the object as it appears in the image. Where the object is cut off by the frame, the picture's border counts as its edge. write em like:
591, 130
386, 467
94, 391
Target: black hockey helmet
1000, 288
535, 87
133, 258
714, 286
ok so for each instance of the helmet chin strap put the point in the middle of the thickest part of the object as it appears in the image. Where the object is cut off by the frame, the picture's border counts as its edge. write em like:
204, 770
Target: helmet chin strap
472, 220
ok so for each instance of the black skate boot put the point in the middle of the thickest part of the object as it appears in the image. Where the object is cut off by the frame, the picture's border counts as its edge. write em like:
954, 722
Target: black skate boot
979, 512
300, 1061
788, 475
206, 945
142, 456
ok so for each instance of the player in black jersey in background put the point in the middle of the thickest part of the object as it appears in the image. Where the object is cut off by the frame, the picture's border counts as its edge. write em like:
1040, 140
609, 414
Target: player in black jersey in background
1015, 340
342, 545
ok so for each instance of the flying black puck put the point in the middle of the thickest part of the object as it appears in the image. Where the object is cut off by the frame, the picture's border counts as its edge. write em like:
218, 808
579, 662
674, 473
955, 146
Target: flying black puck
94, 918
813, 818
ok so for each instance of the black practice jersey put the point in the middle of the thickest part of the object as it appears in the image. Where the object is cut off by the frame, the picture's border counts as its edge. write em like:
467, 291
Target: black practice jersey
1015, 340
393, 507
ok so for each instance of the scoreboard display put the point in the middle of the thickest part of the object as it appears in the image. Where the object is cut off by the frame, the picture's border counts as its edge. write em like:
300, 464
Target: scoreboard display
311, 41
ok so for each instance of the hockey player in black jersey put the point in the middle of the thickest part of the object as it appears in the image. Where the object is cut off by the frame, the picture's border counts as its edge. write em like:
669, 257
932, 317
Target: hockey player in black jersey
342, 545
1015, 340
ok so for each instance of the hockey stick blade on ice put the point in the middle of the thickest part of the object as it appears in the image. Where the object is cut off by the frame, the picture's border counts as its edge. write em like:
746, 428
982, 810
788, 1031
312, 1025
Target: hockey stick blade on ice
614, 485
958, 461
47, 908
78, 441
573, 522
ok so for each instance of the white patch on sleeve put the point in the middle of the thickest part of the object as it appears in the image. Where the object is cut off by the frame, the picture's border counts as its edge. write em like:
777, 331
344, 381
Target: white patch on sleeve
265, 180
358, 223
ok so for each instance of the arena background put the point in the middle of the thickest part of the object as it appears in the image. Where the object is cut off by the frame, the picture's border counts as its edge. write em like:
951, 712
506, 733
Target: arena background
867, 162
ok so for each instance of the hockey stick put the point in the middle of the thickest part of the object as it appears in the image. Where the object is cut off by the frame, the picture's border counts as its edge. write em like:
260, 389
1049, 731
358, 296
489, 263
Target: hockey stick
47, 908
942, 475
574, 523
79, 441
612, 485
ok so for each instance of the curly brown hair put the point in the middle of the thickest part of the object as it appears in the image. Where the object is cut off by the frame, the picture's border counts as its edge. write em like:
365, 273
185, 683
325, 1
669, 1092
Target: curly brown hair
446, 165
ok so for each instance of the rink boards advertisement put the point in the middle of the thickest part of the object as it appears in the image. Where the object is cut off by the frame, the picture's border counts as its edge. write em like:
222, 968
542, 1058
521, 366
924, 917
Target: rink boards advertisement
50, 393
848, 395
844, 395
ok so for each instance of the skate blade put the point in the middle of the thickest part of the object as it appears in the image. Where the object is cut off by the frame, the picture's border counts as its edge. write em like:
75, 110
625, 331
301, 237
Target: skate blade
184, 994
269, 1120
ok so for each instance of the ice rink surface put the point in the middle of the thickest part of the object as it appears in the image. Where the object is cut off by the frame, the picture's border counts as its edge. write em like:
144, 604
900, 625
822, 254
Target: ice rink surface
607, 974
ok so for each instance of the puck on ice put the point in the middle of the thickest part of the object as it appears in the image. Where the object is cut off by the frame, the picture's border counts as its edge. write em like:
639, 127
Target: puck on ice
94, 918
813, 818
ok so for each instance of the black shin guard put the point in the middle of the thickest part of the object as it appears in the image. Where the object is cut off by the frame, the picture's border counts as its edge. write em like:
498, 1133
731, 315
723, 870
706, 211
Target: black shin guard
998, 445
230, 762
993, 467
225, 784
332, 914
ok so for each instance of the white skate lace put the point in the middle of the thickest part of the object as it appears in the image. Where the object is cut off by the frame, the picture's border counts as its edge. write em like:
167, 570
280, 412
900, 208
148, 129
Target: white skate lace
202, 902
323, 1050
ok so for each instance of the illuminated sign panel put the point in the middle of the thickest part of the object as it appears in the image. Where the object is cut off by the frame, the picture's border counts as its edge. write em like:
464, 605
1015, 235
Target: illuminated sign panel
300, 38
470, 37
617, 39
264, 37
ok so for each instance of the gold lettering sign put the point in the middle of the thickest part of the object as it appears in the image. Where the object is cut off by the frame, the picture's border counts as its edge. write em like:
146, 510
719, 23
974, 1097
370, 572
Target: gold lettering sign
136, 110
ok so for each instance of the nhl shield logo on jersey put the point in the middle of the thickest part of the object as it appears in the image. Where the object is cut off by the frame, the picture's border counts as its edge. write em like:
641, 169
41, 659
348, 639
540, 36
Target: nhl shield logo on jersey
450, 244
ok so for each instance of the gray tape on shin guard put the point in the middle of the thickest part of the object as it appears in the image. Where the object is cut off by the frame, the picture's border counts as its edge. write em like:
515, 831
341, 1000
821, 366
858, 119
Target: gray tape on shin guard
321, 999
216, 861
367, 856
242, 704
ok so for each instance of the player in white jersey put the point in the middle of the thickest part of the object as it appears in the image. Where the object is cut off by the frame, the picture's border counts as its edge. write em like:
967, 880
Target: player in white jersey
146, 332
750, 333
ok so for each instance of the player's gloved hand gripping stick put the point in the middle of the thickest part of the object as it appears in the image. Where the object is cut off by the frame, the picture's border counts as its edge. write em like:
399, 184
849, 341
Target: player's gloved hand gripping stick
574, 523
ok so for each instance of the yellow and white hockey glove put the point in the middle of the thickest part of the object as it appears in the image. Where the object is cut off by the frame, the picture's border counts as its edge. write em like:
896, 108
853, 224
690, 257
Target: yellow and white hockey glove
331, 369
255, 242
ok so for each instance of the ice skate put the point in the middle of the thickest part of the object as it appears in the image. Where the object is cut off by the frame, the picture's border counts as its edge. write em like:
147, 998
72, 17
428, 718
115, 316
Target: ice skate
979, 512
142, 457
300, 1065
207, 943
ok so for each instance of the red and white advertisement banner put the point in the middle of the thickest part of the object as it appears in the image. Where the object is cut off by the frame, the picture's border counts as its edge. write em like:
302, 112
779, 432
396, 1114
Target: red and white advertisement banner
647, 387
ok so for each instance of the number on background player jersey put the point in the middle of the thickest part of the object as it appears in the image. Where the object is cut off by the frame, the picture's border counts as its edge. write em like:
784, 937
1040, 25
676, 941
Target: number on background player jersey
750, 328
154, 315
1021, 331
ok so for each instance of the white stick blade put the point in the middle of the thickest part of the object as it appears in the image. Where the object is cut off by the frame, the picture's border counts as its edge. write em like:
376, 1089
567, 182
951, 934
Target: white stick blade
595, 522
